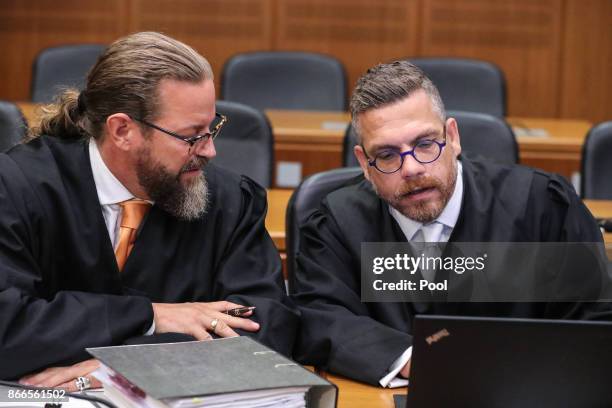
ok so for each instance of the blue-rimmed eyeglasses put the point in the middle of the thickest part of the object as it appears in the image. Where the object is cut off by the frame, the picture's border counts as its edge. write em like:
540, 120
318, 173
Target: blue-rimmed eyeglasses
195, 142
424, 151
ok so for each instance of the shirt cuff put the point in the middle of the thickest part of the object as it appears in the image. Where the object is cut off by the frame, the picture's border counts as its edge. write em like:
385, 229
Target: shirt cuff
151, 329
391, 380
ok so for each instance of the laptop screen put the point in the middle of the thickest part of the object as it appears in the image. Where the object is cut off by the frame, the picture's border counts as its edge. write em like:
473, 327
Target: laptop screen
499, 362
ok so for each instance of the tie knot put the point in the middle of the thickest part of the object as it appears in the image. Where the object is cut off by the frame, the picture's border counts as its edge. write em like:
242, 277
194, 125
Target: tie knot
429, 232
133, 212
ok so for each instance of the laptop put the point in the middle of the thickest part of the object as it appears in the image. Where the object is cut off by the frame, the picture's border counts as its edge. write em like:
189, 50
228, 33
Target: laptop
500, 362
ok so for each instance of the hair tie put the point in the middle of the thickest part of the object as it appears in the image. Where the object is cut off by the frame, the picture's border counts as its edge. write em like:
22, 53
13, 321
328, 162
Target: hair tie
81, 103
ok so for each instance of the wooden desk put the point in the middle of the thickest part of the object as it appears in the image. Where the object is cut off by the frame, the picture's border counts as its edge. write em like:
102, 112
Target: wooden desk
558, 149
315, 140
312, 139
352, 394
275, 219
602, 209
278, 199
29, 110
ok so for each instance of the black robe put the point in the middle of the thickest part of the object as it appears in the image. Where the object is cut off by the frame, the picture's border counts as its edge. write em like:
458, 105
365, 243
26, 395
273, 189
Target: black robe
361, 340
61, 290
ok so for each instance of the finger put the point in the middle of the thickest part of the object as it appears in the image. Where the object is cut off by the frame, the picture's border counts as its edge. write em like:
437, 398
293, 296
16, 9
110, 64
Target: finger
59, 375
40, 377
238, 322
222, 306
64, 375
200, 333
222, 329
89, 365
70, 386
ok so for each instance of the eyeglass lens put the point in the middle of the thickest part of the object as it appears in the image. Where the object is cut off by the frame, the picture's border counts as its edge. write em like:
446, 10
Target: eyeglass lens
214, 131
424, 152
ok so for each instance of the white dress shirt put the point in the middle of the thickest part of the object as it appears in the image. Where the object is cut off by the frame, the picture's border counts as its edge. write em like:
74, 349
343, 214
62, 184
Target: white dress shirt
110, 193
414, 230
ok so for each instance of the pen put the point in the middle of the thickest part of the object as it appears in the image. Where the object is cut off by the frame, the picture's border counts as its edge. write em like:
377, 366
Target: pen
240, 311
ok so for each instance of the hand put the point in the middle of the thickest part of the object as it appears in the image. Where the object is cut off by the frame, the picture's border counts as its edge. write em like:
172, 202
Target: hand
196, 319
405, 372
64, 377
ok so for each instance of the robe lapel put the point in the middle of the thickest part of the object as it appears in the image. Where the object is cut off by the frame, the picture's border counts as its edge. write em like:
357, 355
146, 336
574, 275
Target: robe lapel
96, 248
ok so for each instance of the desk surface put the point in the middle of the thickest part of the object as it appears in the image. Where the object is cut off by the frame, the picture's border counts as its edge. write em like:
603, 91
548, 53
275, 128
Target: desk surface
278, 199
295, 126
353, 394
315, 139
275, 219
329, 127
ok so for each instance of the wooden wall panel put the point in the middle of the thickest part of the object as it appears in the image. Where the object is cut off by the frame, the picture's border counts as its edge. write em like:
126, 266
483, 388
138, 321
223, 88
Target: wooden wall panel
521, 36
586, 79
557, 54
360, 33
28, 26
215, 28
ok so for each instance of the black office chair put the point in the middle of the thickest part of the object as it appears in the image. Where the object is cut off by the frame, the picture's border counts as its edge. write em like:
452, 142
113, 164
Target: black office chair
596, 171
467, 84
487, 136
285, 80
348, 143
13, 126
245, 145
58, 68
306, 199
480, 135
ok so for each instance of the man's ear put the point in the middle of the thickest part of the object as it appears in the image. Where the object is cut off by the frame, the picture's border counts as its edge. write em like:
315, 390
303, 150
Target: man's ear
122, 131
363, 161
452, 136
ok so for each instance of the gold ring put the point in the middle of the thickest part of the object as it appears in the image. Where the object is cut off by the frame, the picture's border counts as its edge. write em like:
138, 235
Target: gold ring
213, 324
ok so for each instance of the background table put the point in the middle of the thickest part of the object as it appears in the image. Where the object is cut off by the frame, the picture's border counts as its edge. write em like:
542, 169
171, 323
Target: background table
353, 394
315, 139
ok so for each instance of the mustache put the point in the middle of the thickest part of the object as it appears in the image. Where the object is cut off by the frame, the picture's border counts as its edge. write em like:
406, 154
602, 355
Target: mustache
421, 183
195, 164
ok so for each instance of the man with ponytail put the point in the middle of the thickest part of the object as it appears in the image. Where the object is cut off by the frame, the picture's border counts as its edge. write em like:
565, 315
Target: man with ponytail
114, 224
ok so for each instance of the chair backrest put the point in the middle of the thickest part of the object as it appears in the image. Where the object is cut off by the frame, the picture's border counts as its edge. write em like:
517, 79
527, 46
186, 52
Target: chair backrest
466, 84
58, 68
596, 182
13, 126
304, 201
486, 135
480, 134
285, 80
245, 145
350, 140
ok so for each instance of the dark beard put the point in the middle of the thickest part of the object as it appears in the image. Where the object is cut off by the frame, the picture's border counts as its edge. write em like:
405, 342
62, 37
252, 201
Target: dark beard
166, 190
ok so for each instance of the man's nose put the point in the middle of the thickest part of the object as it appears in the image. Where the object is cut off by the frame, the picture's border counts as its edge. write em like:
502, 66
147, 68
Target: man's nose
205, 149
411, 167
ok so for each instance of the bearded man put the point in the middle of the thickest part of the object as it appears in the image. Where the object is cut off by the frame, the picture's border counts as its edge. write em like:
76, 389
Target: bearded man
114, 224
416, 186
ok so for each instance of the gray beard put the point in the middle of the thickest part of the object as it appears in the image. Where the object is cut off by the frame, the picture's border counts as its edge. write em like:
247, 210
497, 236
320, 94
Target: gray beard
187, 203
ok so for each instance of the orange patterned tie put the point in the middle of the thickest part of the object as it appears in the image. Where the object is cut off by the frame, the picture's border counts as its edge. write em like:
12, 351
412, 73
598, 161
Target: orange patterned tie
133, 212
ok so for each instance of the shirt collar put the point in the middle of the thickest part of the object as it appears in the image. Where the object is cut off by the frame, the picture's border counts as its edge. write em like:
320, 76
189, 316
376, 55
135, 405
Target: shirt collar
110, 190
448, 217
